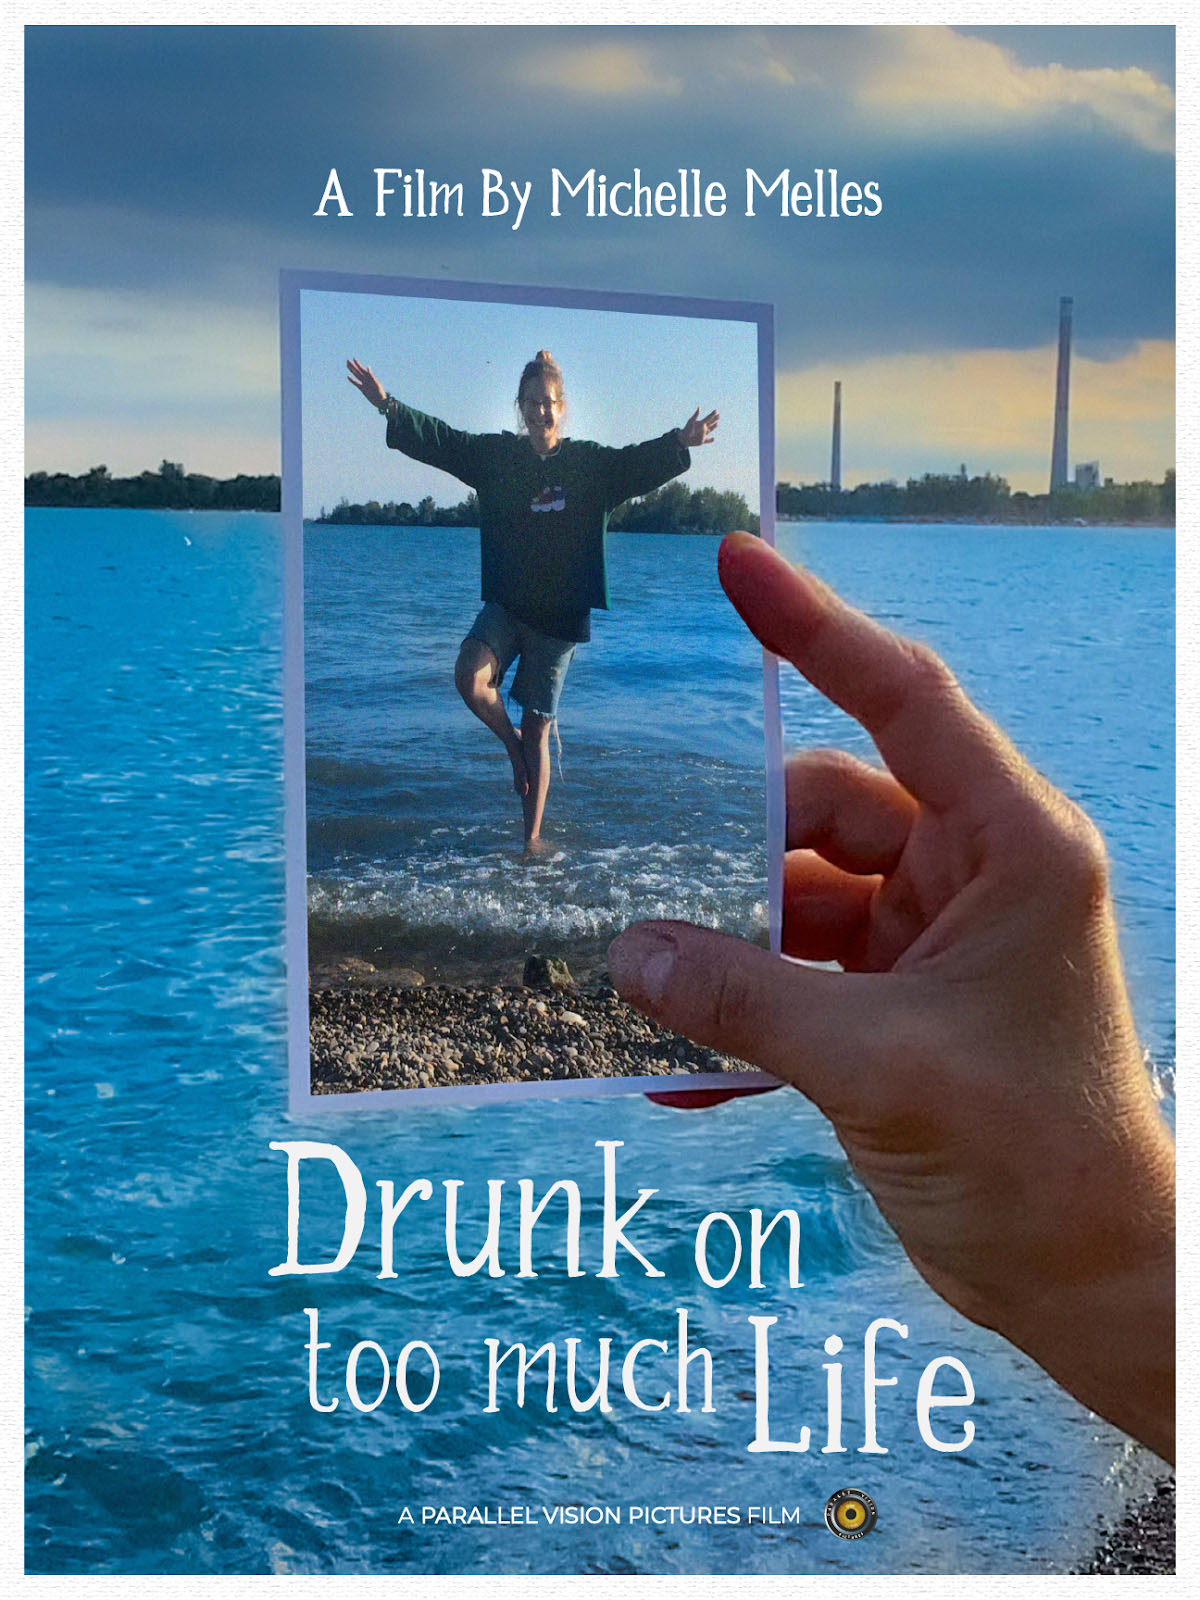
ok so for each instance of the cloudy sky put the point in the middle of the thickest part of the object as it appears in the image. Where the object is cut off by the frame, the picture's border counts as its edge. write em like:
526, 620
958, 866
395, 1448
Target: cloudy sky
172, 171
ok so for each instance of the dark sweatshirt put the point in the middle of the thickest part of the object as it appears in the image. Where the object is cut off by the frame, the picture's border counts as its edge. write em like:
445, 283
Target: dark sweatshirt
542, 520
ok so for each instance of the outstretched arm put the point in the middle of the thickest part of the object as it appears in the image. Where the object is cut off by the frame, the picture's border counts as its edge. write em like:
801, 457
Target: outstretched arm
976, 1055
422, 437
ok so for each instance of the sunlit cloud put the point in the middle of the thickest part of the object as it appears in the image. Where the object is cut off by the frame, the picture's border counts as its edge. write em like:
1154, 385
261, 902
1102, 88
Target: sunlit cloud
596, 71
929, 83
990, 410
943, 82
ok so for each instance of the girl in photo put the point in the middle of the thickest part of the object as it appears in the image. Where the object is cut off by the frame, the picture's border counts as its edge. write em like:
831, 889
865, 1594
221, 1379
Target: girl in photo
544, 505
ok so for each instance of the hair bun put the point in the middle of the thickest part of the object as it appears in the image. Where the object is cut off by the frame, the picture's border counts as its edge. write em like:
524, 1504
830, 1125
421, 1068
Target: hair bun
542, 369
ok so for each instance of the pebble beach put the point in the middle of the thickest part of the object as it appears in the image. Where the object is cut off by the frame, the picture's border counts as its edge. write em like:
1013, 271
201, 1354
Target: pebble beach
368, 1031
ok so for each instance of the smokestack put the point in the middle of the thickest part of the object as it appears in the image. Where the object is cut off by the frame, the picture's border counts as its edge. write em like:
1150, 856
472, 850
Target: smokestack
1062, 397
835, 465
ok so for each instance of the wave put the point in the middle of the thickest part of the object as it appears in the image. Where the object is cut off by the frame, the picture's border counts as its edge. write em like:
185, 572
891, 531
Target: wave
584, 894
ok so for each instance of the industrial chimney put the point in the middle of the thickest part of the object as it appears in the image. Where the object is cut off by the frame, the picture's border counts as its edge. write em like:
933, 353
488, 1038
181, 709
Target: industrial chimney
835, 465
1062, 397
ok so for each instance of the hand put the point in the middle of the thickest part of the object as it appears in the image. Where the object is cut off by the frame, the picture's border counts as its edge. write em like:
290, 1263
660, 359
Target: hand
365, 381
976, 1055
698, 430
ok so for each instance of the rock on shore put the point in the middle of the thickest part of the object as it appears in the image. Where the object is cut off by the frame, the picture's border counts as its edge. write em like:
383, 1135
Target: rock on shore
1144, 1540
434, 1035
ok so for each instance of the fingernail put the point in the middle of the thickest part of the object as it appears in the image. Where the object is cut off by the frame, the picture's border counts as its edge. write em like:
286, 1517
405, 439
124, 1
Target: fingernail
640, 963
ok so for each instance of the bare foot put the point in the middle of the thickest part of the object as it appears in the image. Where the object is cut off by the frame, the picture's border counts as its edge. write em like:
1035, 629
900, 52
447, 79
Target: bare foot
517, 756
540, 849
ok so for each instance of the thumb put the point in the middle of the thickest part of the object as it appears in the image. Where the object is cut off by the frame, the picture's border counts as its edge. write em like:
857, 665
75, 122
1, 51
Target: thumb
814, 1028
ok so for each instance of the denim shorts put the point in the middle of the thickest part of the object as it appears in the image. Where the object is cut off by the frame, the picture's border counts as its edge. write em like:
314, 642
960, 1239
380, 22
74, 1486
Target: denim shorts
542, 660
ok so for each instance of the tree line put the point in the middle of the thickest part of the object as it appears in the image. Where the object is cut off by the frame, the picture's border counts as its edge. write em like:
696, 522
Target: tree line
168, 489
671, 509
401, 514
677, 509
946, 497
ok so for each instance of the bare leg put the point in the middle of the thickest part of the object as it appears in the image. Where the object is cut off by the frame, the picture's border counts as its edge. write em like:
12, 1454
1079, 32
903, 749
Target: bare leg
475, 677
535, 743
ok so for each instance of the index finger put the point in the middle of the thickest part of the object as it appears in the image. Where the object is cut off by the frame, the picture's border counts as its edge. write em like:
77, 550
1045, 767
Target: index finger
933, 739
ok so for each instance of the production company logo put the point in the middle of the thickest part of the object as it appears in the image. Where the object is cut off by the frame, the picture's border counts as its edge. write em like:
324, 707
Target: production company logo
849, 1513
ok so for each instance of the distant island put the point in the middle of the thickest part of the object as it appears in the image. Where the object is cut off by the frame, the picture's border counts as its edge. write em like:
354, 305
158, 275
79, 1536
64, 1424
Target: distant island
946, 497
168, 489
936, 497
671, 509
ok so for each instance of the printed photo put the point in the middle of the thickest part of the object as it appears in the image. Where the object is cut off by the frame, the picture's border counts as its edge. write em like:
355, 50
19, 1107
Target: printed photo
530, 715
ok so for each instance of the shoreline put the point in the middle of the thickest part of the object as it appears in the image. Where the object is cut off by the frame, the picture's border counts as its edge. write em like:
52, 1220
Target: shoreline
382, 956
1034, 525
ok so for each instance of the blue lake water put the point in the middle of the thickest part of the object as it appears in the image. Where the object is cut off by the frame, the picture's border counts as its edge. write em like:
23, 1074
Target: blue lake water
169, 1424
412, 822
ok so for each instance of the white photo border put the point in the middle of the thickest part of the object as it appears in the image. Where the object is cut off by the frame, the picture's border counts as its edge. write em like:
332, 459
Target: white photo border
292, 283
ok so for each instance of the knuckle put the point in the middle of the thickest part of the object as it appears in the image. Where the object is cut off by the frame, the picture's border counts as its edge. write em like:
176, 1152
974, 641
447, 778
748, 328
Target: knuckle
1073, 848
927, 672
1084, 855
837, 763
828, 771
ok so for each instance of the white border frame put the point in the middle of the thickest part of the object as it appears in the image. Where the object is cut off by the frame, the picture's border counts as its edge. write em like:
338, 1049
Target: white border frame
291, 284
